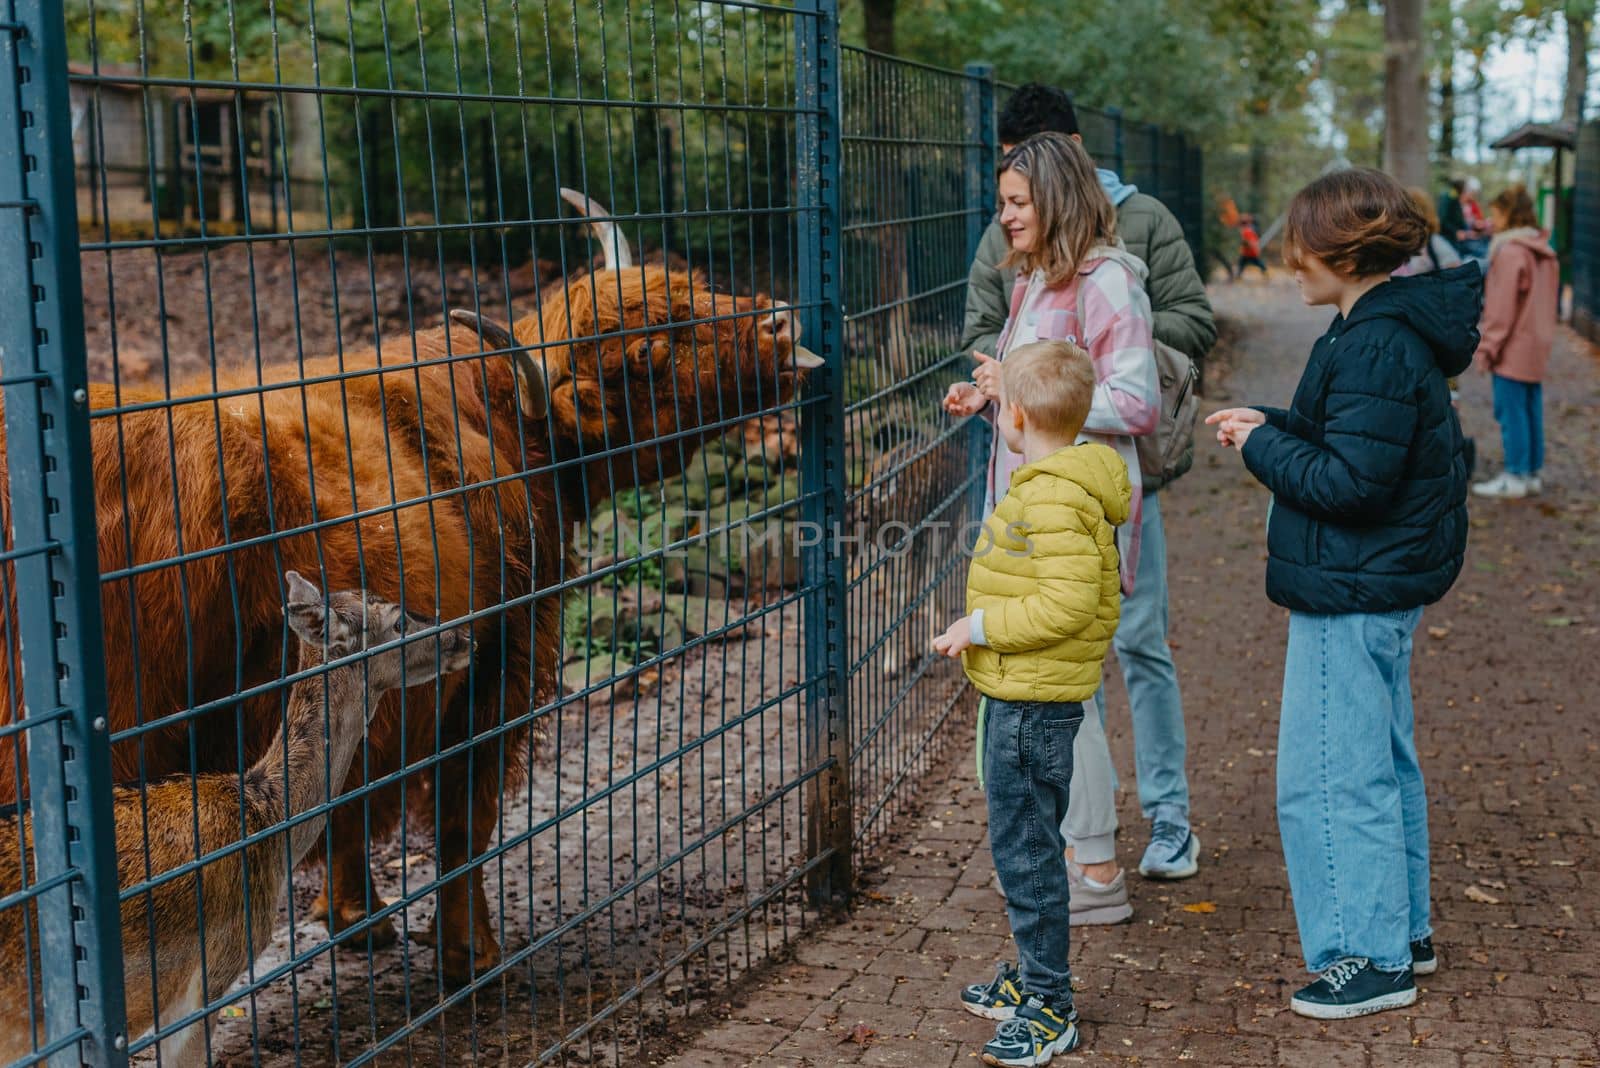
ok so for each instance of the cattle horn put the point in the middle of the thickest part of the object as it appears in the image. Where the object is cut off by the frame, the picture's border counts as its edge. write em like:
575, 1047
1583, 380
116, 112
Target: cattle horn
618, 254
535, 386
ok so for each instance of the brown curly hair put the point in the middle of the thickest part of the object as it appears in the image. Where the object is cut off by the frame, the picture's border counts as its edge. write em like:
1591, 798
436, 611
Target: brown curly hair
1359, 222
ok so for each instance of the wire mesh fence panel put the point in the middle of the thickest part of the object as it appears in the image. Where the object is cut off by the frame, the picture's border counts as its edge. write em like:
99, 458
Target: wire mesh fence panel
907, 207
414, 403
447, 519
1586, 232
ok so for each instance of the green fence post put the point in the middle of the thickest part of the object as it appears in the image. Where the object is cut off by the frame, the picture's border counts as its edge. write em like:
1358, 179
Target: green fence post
829, 820
42, 358
982, 147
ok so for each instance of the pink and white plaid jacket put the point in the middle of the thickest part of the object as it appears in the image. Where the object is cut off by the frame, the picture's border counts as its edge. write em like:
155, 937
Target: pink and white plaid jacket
1118, 337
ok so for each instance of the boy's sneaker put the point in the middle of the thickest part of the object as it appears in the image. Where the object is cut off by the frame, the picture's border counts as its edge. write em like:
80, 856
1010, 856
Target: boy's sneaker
1173, 853
1034, 1035
1424, 961
1535, 483
1503, 487
1353, 987
1095, 904
997, 999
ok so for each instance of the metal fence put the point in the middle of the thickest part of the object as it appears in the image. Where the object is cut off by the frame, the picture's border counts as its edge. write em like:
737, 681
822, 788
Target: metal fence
363, 338
1585, 239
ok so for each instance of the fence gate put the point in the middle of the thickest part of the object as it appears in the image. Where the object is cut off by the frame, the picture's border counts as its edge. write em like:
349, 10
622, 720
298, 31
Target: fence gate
499, 315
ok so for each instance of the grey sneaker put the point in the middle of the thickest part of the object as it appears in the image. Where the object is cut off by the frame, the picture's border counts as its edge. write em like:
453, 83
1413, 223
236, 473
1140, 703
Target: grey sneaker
1173, 853
1095, 905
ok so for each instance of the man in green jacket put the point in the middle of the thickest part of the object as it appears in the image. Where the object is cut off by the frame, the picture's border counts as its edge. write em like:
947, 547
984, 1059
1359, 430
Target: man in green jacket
1183, 319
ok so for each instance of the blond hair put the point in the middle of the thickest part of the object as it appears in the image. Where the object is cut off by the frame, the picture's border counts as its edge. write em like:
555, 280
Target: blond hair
1052, 382
1074, 214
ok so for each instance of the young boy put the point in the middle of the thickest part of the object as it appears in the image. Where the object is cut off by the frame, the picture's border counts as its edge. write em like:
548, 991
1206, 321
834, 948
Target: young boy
1043, 596
1368, 524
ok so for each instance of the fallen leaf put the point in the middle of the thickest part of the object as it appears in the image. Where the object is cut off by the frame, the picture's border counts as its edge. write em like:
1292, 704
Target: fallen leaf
860, 1034
1481, 896
233, 1012
1255, 752
1558, 621
1159, 1006
1438, 632
1493, 884
1201, 906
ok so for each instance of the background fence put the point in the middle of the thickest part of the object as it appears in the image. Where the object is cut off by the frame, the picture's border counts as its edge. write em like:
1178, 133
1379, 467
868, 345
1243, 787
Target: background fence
1585, 239
701, 597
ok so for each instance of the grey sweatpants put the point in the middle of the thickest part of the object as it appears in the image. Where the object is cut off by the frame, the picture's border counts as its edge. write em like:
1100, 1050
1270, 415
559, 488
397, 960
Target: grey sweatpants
1090, 826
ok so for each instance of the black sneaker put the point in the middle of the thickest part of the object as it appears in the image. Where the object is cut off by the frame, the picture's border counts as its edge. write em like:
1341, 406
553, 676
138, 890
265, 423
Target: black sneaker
1353, 987
1034, 1035
997, 999
1424, 961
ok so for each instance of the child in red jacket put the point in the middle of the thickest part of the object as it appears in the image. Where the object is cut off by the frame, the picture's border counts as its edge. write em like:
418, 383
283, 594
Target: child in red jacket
1249, 246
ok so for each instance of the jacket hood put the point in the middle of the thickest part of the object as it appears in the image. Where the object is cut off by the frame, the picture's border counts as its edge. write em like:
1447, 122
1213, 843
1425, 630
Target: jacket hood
1526, 237
1115, 187
1441, 307
1118, 252
1096, 468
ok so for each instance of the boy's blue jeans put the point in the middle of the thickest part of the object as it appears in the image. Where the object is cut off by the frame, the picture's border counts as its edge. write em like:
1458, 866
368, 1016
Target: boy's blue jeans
1027, 774
1351, 808
1519, 409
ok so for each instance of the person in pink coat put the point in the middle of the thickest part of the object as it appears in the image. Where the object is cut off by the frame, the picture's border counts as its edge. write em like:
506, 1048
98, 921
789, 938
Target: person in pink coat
1517, 331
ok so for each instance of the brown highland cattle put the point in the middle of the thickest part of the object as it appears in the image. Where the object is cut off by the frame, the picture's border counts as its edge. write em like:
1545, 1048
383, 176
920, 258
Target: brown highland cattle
445, 474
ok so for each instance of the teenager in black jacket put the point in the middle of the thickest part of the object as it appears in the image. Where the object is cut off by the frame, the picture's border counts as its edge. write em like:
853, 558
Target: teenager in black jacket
1368, 524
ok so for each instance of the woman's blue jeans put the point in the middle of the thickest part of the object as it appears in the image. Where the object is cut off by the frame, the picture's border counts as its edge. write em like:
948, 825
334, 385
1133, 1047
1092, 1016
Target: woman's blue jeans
1351, 807
1519, 409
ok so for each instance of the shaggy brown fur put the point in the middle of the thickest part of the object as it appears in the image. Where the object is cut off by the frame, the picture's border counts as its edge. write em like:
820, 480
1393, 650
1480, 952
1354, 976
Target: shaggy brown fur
296, 463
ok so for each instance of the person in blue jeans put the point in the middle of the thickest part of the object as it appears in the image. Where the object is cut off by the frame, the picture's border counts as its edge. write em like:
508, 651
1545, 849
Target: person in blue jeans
1368, 523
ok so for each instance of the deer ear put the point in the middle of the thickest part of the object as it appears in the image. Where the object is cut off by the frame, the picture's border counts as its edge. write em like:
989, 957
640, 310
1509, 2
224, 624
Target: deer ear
304, 609
301, 589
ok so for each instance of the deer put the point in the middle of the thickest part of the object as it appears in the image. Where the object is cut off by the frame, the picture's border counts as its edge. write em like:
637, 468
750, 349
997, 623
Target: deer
233, 840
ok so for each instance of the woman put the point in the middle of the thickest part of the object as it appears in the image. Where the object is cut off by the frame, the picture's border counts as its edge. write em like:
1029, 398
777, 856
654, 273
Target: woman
1062, 231
1518, 328
1438, 254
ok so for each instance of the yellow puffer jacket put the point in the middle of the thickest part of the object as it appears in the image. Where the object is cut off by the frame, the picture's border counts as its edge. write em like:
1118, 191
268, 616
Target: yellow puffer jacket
1045, 575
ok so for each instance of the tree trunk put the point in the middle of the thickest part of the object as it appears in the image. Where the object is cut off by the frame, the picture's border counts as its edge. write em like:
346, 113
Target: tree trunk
1405, 93
1580, 19
880, 25
1447, 112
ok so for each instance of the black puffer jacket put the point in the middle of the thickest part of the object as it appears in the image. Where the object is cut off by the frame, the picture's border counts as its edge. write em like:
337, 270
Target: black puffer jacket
1367, 469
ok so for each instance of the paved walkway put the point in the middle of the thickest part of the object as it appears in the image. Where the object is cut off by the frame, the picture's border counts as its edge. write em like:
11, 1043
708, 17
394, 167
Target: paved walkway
1507, 677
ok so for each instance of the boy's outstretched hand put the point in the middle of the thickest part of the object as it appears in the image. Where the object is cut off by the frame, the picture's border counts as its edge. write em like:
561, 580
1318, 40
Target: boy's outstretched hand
1234, 425
963, 398
954, 640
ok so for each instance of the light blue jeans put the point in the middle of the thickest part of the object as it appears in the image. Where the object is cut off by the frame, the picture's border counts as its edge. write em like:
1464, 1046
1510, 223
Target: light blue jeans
1352, 811
1519, 409
1159, 741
